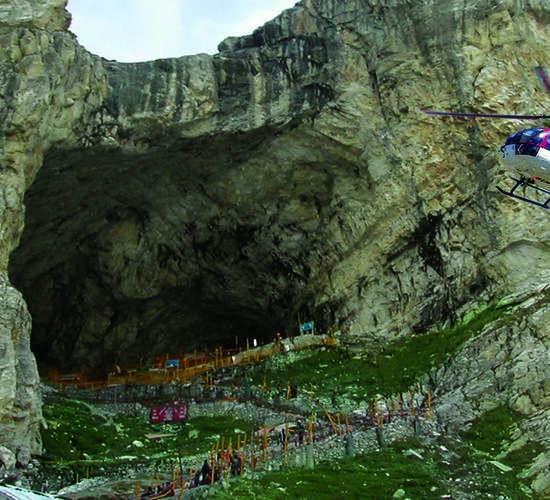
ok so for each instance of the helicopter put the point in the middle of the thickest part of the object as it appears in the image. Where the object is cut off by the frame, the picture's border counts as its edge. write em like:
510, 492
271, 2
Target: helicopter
527, 152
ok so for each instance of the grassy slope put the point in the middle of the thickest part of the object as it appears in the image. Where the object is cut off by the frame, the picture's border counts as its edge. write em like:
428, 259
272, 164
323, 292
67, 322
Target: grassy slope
76, 439
381, 474
389, 371
74, 431
447, 468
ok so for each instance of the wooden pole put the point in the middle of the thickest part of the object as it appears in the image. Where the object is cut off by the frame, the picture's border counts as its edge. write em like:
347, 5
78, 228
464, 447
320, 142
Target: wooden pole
213, 471
330, 419
311, 427
412, 409
266, 451
181, 470
429, 412
285, 443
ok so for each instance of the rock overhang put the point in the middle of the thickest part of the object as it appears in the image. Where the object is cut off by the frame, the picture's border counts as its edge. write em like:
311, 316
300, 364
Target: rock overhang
253, 181
347, 78
191, 244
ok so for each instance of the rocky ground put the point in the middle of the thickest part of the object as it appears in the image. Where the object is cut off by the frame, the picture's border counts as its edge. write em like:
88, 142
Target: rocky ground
411, 455
329, 447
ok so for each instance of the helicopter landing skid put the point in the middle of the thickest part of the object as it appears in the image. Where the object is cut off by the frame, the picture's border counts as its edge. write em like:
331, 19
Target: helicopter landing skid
524, 181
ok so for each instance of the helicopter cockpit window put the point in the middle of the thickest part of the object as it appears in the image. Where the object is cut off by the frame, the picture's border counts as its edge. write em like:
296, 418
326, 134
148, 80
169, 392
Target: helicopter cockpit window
535, 136
527, 149
531, 136
528, 142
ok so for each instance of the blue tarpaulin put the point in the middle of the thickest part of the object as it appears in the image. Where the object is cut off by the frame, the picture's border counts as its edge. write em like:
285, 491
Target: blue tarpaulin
306, 327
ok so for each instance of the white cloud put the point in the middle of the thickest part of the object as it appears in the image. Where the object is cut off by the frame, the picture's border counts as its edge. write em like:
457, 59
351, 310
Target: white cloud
137, 30
161, 25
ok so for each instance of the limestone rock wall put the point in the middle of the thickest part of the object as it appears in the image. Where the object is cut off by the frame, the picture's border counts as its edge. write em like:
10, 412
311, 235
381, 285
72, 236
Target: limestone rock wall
20, 406
507, 364
47, 83
206, 200
48, 14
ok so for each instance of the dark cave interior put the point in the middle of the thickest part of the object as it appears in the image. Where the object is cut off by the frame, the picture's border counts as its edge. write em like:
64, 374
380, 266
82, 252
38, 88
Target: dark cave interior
127, 254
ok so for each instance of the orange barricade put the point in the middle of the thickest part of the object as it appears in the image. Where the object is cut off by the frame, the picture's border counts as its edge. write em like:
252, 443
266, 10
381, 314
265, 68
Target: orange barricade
168, 369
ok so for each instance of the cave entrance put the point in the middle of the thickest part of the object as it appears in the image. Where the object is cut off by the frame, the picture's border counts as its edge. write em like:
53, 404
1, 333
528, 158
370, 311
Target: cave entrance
126, 255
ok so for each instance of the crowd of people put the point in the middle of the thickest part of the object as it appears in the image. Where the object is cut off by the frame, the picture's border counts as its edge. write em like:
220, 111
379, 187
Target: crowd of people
217, 468
163, 490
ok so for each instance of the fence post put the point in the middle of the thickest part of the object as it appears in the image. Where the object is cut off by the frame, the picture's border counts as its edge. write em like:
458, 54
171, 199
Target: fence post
412, 409
429, 405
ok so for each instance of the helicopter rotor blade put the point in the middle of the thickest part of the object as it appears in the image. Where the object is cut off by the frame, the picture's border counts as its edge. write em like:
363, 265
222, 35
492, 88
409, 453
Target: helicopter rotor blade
541, 72
485, 115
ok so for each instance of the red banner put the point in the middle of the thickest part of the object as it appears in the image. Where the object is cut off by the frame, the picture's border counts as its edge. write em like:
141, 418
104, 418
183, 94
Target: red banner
169, 413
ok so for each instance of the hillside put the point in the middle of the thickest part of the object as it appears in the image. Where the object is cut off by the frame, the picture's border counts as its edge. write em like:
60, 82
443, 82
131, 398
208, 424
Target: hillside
208, 201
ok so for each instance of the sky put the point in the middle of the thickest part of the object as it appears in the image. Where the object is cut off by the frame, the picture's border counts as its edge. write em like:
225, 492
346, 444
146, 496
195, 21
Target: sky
141, 30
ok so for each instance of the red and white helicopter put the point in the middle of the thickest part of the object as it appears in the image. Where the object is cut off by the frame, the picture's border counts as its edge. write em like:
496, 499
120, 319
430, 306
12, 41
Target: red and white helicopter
526, 152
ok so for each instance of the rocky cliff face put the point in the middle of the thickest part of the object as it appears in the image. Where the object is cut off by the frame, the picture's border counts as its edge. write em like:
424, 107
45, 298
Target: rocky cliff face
44, 99
207, 200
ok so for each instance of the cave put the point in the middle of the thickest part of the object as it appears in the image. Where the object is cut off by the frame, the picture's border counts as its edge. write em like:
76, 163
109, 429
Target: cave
156, 208
187, 245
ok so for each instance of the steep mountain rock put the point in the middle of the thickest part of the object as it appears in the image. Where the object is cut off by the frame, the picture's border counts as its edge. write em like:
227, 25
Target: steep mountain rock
206, 200
47, 85
507, 364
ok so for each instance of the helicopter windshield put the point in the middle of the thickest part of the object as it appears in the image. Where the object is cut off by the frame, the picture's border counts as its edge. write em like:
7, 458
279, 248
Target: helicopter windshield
537, 137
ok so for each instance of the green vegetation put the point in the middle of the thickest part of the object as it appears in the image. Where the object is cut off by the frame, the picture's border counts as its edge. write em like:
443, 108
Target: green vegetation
490, 432
523, 457
374, 476
391, 370
75, 433
447, 469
